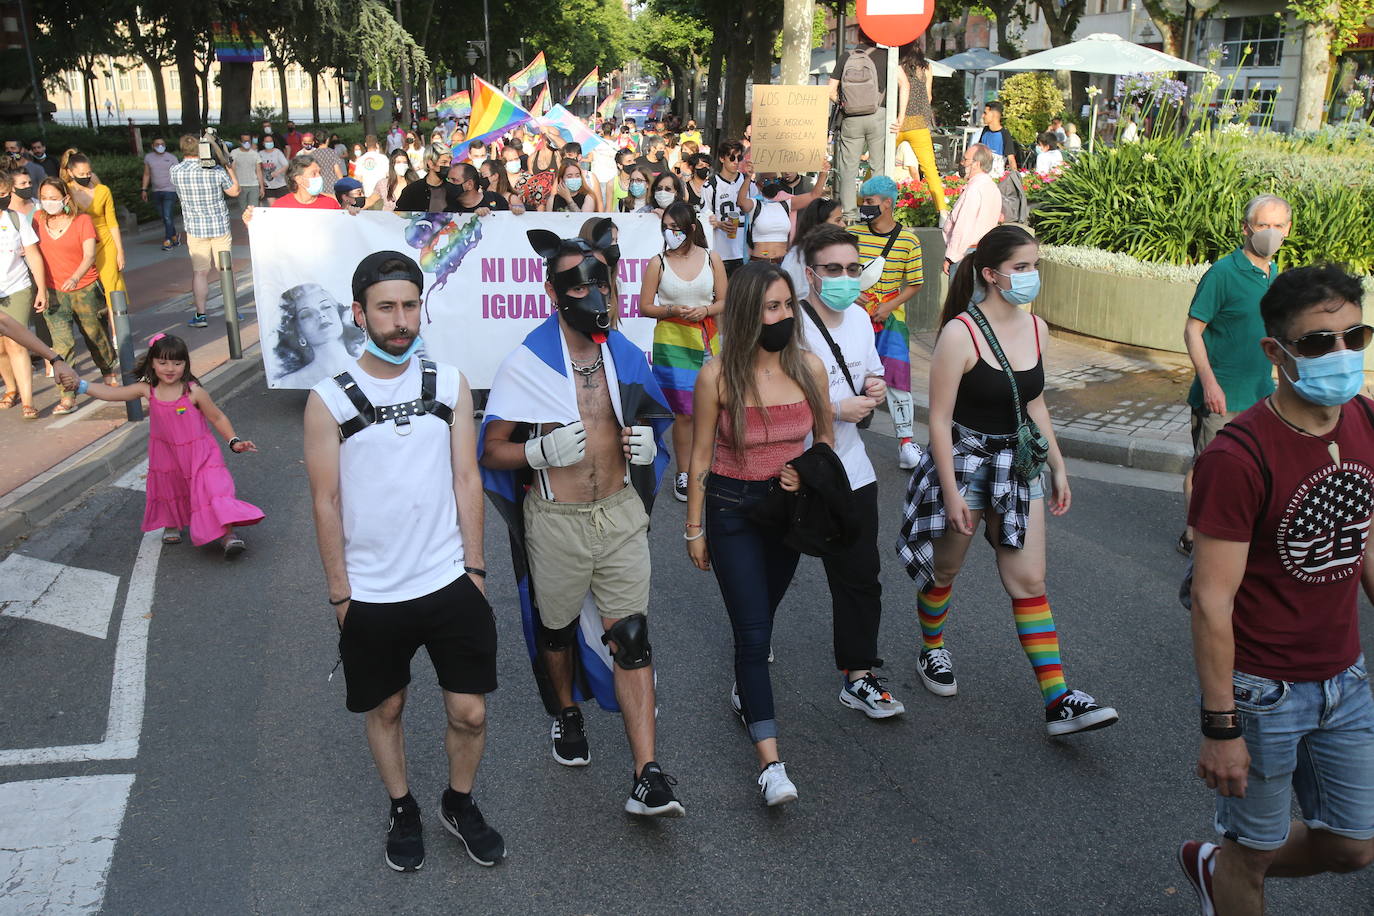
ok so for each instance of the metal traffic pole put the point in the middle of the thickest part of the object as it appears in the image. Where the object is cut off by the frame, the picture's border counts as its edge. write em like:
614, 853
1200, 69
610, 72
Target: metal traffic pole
119, 306
231, 306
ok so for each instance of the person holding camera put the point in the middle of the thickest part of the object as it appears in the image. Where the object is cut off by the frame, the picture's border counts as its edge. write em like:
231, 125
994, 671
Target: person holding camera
201, 184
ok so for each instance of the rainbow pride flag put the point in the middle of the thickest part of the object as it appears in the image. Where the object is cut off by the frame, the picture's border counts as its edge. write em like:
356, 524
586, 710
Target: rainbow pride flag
457, 105
235, 44
532, 75
542, 104
607, 108
492, 116
585, 88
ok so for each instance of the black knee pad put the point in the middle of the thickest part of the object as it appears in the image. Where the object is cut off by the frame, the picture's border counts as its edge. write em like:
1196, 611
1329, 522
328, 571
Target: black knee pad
631, 638
557, 640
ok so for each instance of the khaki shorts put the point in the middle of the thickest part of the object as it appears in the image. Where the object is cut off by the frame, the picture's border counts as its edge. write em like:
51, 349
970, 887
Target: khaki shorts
205, 251
601, 547
1206, 425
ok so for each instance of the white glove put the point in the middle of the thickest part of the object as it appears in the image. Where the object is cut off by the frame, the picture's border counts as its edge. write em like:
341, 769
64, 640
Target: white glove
563, 447
640, 445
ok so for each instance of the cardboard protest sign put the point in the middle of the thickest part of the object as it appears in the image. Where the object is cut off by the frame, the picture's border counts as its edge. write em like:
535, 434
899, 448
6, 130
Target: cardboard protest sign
789, 128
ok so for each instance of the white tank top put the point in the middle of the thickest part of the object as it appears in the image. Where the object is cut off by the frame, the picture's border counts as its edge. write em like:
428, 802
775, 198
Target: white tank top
772, 222
400, 520
697, 292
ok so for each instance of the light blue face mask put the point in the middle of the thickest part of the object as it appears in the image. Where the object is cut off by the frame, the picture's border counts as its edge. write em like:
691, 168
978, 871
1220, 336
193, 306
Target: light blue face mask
381, 354
838, 293
1330, 379
1025, 287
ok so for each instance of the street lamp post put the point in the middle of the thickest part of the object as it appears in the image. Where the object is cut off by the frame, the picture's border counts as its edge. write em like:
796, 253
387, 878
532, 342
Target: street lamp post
486, 36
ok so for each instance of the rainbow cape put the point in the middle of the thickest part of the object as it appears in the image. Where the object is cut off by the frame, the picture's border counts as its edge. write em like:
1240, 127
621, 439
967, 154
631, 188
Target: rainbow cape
532, 75
493, 115
586, 87
457, 105
607, 108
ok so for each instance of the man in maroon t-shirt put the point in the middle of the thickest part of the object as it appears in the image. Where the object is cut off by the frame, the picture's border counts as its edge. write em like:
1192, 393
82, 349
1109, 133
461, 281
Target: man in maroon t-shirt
1282, 504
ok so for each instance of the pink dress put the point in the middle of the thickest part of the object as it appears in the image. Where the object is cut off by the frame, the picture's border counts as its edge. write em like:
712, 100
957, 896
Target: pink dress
188, 484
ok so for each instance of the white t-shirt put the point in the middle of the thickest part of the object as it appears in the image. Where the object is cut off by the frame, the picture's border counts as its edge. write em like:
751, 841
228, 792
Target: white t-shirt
792, 265
1048, 161
400, 518
245, 165
14, 270
855, 339
721, 198
370, 168
395, 139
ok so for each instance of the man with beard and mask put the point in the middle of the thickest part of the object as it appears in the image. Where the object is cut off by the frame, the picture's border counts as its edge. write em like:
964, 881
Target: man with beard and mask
15, 152
572, 455
893, 274
1282, 512
1224, 330
392, 438
472, 196
978, 209
38, 153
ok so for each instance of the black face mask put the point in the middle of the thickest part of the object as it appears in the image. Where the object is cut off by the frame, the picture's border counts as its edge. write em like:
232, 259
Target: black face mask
774, 337
5, 202
703, 173
84, 182
590, 315
870, 211
771, 189
24, 193
483, 183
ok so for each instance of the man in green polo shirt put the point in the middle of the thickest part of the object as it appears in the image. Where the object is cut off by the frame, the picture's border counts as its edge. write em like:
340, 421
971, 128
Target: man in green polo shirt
1224, 331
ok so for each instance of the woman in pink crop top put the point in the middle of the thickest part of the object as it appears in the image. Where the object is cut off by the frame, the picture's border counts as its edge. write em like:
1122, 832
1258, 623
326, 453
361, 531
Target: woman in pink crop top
754, 406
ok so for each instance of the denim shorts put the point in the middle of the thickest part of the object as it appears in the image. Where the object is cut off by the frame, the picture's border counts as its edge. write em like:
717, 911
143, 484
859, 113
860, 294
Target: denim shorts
1315, 738
976, 493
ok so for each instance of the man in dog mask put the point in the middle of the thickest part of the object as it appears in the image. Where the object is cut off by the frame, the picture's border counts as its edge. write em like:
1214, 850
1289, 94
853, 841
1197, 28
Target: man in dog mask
572, 455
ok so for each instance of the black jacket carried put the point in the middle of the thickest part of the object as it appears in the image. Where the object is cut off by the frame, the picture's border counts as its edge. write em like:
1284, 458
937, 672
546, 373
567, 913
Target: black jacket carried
819, 519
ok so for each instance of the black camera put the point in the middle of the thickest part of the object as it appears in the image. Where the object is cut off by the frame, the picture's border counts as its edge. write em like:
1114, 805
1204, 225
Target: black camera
213, 152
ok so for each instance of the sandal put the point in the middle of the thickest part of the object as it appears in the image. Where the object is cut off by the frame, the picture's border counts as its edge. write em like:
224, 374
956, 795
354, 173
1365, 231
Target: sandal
30, 413
233, 546
10, 399
64, 406
171, 536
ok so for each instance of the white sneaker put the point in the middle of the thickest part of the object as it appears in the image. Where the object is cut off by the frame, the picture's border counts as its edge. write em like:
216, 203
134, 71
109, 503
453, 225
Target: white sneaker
870, 697
735, 704
774, 785
908, 456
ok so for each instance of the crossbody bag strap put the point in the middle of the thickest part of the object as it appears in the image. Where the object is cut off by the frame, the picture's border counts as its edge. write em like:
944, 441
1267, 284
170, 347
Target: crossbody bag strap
981, 320
834, 347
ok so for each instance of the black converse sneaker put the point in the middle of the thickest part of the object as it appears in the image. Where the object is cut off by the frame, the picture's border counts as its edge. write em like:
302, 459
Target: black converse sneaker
464, 820
937, 672
1074, 712
680, 487
405, 837
570, 739
652, 794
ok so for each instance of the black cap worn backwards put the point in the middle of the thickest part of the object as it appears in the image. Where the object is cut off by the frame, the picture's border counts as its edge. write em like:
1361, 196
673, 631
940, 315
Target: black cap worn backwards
370, 272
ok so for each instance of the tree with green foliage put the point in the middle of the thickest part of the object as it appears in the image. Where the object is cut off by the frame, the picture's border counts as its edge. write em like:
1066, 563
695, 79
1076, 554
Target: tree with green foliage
1029, 100
1328, 28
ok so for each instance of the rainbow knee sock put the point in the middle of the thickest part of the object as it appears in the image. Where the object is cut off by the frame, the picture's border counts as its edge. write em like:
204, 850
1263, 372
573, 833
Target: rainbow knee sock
1040, 642
932, 606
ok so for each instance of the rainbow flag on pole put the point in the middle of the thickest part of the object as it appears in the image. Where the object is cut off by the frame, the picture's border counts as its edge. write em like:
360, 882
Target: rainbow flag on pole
457, 105
586, 87
532, 75
607, 108
542, 104
492, 116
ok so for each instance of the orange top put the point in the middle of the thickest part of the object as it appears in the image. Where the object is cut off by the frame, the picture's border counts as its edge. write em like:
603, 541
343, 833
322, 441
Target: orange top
773, 436
62, 256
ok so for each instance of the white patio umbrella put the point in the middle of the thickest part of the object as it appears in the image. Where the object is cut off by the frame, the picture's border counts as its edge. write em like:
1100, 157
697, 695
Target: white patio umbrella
1105, 53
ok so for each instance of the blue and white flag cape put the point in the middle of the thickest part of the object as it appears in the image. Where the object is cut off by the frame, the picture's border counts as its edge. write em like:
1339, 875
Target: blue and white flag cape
534, 384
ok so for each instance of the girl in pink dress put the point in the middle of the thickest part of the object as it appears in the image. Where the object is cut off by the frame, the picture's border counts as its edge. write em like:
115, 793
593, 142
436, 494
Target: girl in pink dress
188, 484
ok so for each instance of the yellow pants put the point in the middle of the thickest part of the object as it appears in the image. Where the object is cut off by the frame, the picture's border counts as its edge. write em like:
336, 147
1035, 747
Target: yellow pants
925, 154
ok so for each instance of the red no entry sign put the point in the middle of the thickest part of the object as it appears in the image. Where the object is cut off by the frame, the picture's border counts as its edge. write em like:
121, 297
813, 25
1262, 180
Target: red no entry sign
894, 22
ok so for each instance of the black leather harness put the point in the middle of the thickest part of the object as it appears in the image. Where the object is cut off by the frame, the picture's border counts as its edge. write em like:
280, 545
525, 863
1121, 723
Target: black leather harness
400, 414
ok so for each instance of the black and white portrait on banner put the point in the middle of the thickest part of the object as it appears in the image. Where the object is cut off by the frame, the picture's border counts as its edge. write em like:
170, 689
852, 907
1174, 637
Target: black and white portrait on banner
315, 337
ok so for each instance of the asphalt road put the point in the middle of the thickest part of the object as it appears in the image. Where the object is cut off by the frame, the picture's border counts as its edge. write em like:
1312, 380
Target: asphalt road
254, 791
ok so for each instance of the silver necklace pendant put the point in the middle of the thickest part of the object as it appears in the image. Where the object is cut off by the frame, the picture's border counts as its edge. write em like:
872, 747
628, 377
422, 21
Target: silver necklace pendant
586, 371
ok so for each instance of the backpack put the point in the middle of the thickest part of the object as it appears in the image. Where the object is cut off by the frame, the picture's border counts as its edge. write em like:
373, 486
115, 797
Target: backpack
1015, 207
859, 94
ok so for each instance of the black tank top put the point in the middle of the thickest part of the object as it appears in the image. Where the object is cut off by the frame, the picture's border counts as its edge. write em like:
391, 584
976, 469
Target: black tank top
984, 401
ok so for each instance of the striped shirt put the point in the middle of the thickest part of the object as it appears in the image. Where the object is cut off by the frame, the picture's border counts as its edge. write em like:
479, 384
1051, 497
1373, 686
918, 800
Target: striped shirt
903, 267
201, 191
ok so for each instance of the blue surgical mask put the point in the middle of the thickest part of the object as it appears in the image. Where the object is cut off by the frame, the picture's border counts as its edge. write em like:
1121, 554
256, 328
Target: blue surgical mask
573, 184
314, 185
1025, 286
381, 354
838, 293
1330, 379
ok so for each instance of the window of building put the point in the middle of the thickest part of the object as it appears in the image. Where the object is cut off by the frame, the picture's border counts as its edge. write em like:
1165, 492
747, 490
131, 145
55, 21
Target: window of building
124, 84
145, 80
174, 80
109, 81
1263, 35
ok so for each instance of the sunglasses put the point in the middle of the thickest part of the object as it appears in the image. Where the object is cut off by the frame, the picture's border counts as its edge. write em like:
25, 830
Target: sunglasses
735, 158
1320, 343
834, 270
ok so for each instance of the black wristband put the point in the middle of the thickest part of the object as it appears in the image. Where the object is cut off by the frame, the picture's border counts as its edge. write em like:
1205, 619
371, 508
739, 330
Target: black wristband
341, 600
475, 571
1221, 726
233, 442
57, 359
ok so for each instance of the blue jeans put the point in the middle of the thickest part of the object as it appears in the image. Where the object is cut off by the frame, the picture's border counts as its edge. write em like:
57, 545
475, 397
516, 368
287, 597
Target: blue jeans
164, 201
1315, 737
753, 569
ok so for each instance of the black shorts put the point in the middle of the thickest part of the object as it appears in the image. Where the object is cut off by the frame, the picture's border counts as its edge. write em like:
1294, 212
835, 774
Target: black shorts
455, 625
732, 265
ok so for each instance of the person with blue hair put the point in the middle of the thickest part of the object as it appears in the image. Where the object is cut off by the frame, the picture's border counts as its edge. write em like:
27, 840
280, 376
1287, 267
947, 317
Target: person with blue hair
891, 255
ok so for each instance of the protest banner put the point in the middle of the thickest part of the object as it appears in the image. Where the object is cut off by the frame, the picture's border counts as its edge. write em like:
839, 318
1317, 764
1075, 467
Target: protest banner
484, 285
789, 128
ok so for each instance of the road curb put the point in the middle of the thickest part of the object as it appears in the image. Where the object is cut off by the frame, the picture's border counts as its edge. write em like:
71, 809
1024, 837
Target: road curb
32, 505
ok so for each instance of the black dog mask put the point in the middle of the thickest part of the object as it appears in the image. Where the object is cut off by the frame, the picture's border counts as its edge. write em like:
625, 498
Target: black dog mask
589, 314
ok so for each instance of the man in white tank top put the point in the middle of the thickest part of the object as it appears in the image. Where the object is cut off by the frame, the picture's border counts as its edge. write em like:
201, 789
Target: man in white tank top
391, 454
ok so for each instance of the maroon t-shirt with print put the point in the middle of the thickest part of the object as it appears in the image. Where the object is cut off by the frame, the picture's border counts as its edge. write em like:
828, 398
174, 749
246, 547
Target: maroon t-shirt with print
1296, 612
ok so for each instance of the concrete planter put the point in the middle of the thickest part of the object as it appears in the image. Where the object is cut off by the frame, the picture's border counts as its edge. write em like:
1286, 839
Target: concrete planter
1130, 310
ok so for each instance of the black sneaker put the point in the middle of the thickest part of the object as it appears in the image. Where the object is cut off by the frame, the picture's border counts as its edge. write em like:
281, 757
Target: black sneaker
484, 845
405, 837
680, 487
937, 672
570, 739
1077, 712
652, 794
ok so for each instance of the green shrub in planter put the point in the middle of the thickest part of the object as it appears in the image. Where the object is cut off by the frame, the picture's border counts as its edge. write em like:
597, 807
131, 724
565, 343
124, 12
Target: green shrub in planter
1029, 100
